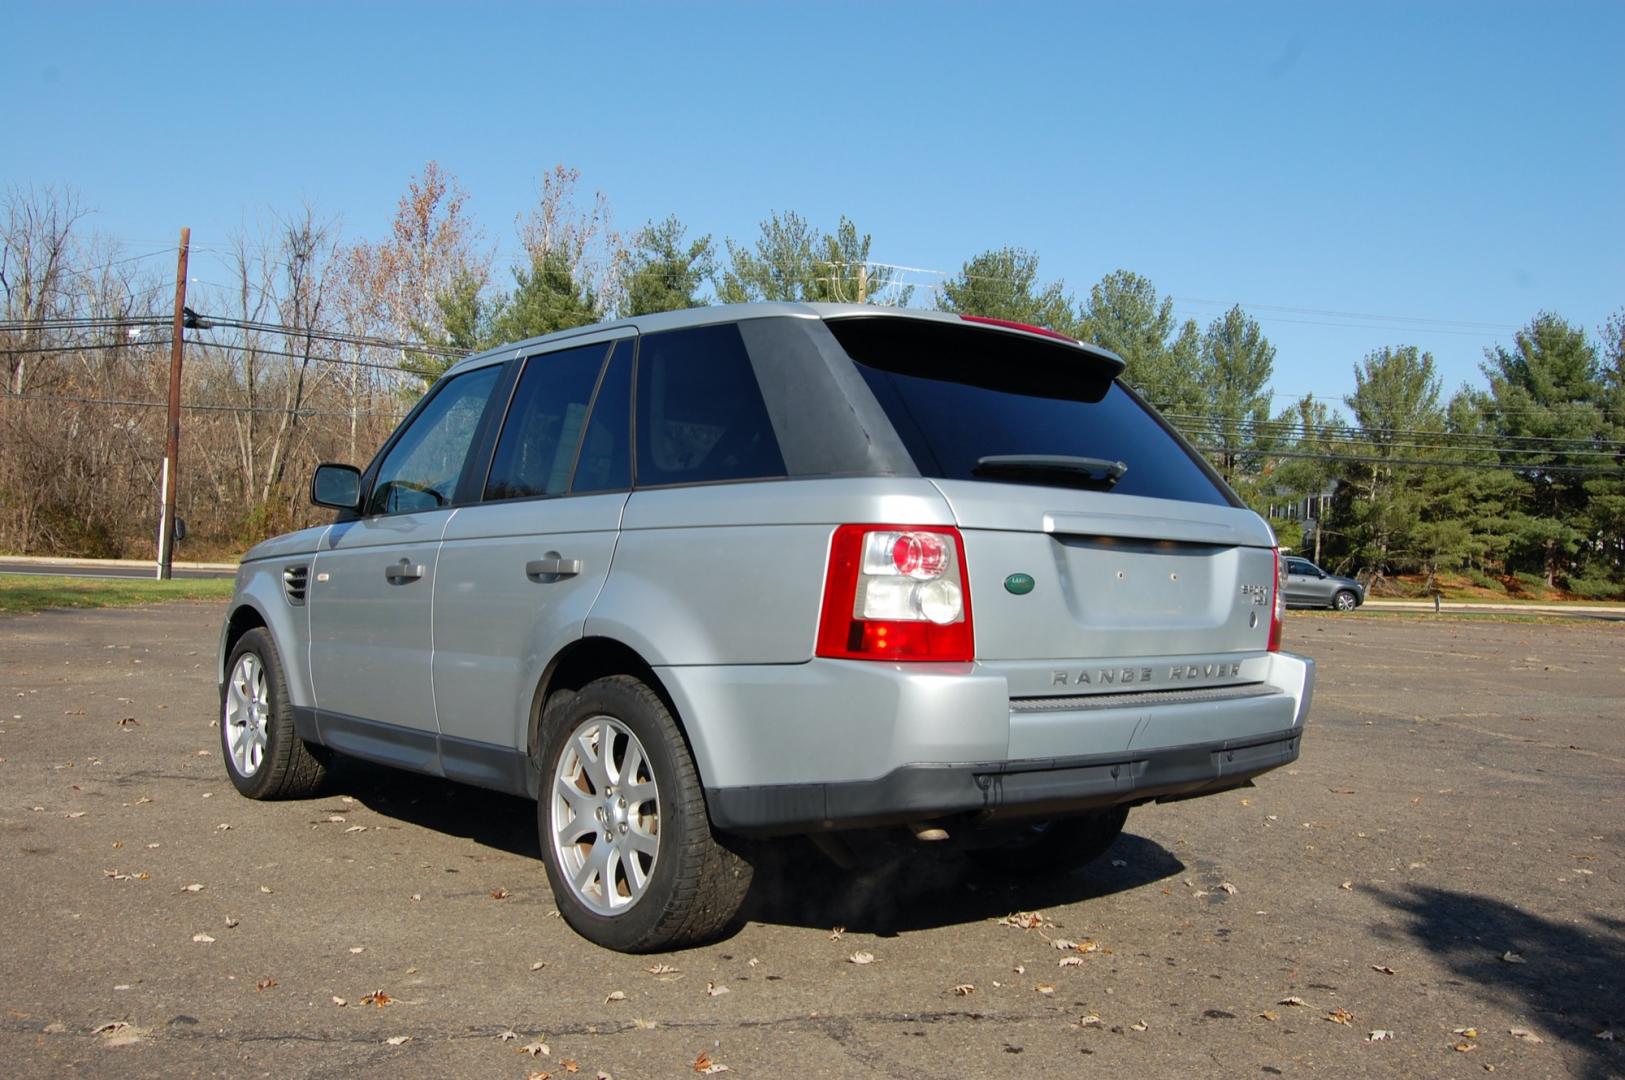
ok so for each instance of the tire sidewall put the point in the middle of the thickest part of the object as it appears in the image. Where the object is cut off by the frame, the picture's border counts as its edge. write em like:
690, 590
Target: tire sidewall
279, 724
1337, 601
625, 932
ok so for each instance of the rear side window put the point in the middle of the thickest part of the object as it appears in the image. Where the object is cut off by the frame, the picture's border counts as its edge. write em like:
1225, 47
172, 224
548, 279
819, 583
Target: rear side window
606, 453
958, 396
700, 413
539, 438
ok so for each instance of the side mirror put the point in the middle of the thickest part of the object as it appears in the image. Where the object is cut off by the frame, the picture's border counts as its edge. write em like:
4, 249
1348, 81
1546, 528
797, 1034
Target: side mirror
336, 486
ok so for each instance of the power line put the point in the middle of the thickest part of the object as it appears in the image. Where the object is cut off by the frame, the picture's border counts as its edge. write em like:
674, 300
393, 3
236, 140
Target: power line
1357, 459
141, 404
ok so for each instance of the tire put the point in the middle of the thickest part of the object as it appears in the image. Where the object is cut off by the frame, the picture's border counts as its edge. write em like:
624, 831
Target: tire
1053, 846
640, 873
1345, 600
265, 757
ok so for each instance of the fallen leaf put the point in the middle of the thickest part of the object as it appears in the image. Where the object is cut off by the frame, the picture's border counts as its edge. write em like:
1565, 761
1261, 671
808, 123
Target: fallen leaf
1024, 920
615, 995
508, 1036
232, 922
265, 889
570, 1065
538, 965
1295, 1001
1141, 1026
1379, 1035
335, 819
1071, 961
1383, 968
706, 1067
835, 934
1513, 957
75, 814
417, 896
359, 828
1466, 1033
1526, 1035
539, 1075
396, 1040
1339, 1016
1091, 1020
203, 939
713, 990
500, 894
224, 826
661, 969
1269, 1015
1342, 791
111, 1028
1063, 943
644, 1025
965, 989
1349, 885
194, 887
1046, 989
1605, 1036
264, 984
1226, 887
340, 1002
1020, 969
536, 1049
1464, 1047
860, 957
377, 998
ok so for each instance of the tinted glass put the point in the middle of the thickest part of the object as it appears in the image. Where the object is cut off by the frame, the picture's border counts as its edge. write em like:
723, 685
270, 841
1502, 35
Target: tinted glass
543, 429
948, 425
700, 412
423, 466
606, 453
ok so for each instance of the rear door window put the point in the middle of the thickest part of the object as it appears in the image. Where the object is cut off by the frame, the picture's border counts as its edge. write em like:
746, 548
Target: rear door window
959, 396
537, 448
700, 413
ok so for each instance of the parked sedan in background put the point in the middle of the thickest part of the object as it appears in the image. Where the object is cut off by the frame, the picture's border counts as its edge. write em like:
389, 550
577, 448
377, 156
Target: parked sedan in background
1307, 585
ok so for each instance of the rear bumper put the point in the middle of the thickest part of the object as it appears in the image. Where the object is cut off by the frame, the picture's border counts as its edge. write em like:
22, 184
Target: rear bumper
1012, 789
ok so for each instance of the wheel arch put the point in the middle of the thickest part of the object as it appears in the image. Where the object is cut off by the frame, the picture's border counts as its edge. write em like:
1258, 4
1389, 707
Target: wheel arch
589, 658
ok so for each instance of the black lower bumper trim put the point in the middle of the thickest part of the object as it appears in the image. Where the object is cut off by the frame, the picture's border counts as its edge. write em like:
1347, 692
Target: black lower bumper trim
1028, 788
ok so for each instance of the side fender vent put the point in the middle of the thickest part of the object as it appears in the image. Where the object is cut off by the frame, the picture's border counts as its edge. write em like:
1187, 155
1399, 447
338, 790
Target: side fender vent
295, 580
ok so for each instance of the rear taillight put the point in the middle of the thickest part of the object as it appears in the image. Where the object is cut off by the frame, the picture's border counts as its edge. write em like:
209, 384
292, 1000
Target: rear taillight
1278, 608
896, 592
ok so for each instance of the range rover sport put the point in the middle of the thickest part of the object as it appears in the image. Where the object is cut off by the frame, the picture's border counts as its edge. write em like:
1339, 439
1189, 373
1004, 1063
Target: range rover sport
766, 570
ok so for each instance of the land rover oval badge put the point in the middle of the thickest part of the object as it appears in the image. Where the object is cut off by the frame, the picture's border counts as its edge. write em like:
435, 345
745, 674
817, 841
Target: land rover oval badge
1018, 584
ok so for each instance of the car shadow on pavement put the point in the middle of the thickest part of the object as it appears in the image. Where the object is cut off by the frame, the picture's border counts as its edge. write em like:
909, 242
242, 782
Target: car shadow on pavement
1567, 977
504, 822
920, 888
926, 889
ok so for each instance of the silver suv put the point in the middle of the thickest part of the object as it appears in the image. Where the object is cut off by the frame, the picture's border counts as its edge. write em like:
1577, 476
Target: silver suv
766, 570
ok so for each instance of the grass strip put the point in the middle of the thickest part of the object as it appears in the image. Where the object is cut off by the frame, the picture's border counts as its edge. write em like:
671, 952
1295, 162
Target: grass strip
24, 593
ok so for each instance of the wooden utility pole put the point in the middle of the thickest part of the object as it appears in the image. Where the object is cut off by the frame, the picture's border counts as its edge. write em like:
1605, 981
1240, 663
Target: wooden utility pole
863, 283
172, 445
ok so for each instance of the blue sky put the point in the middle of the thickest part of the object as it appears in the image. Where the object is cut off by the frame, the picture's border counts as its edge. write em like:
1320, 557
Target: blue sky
1459, 164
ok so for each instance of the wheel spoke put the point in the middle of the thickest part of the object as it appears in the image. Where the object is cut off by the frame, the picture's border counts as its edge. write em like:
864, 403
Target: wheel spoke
580, 802
642, 842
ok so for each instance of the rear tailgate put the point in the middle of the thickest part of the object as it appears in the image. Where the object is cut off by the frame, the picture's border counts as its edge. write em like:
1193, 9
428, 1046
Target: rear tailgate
1119, 587
1114, 577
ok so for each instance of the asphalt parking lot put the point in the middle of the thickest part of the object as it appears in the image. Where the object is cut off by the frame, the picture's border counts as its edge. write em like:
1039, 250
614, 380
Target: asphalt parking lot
1443, 864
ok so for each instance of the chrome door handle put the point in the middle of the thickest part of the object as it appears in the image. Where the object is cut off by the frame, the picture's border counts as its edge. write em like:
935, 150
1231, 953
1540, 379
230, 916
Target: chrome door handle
552, 565
403, 571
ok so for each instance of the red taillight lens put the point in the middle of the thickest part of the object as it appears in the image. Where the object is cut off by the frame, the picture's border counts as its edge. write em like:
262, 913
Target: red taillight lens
1009, 325
896, 592
1278, 607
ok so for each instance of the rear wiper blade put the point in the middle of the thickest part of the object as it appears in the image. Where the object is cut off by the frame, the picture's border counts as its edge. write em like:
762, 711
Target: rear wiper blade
1083, 471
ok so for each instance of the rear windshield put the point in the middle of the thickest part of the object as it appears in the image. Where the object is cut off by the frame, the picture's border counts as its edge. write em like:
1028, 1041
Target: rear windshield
957, 397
